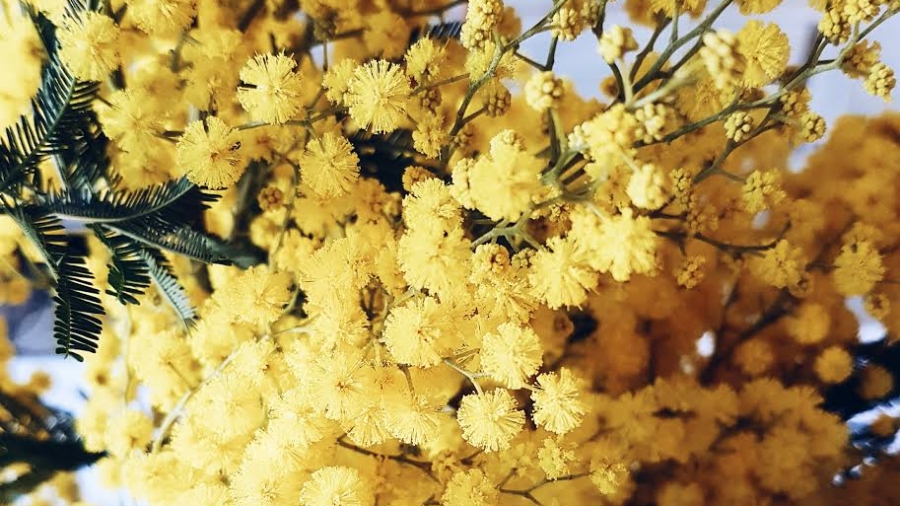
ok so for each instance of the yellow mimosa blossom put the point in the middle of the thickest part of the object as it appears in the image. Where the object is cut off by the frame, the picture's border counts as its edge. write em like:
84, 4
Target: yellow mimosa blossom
881, 81
810, 324
481, 17
555, 459
690, 272
129, 121
558, 277
754, 356
757, 6
857, 268
472, 488
337, 80
861, 58
425, 61
90, 46
420, 332
761, 190
621, 245
376, 95
765, 50
543, 91
209, 153
502, 183
434, 259
649, 187
128, 431
511, 355
273, 91
446, 271
780, 266
414, 421
490, 420
609, 477
162, 17
615, 42
722, 58
329, 165
336, 486
558, 406
19, 39
875, 382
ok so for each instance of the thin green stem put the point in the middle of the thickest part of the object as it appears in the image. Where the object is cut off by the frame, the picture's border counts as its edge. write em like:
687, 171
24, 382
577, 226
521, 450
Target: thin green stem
551, 54
539, 66
499, 51
698, 31
465, 373
425, 467
437, 84
657, 31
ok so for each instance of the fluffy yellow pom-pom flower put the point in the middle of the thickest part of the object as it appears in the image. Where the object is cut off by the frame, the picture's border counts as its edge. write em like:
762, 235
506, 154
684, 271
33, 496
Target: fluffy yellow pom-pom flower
834, 365
210, 154
765, 49
511, 355
757, 6
621, 245
857, 268
336, 486
503, 183
781, 266
557, 403
470, 488
275, 89
329, 166
377, 94
19, 39
420, 332
162, 17
130, 430
558, 277
490, 420
90, 46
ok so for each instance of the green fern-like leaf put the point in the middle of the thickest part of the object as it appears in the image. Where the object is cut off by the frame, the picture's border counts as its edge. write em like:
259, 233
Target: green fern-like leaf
175, 202
168, 285
135, 226
128, 275
61, 124
45, 232
78, 307
181, 240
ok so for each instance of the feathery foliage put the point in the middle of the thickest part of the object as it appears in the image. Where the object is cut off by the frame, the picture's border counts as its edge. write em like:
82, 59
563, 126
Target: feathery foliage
62, 124
135, 226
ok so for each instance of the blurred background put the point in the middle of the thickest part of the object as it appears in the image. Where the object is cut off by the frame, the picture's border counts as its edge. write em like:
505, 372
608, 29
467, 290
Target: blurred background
833, 93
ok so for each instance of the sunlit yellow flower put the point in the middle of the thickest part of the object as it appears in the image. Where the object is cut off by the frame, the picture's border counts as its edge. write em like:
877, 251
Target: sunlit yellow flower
558, 406
209, 153
275, 90
377, 94
329, 165
490, 420
336, 486
90, 46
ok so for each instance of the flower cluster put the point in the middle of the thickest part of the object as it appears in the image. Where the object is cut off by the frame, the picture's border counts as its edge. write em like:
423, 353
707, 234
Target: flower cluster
478, 287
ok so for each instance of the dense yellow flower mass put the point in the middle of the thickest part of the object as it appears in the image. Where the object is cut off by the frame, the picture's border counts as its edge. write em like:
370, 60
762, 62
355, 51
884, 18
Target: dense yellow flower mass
475, 286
